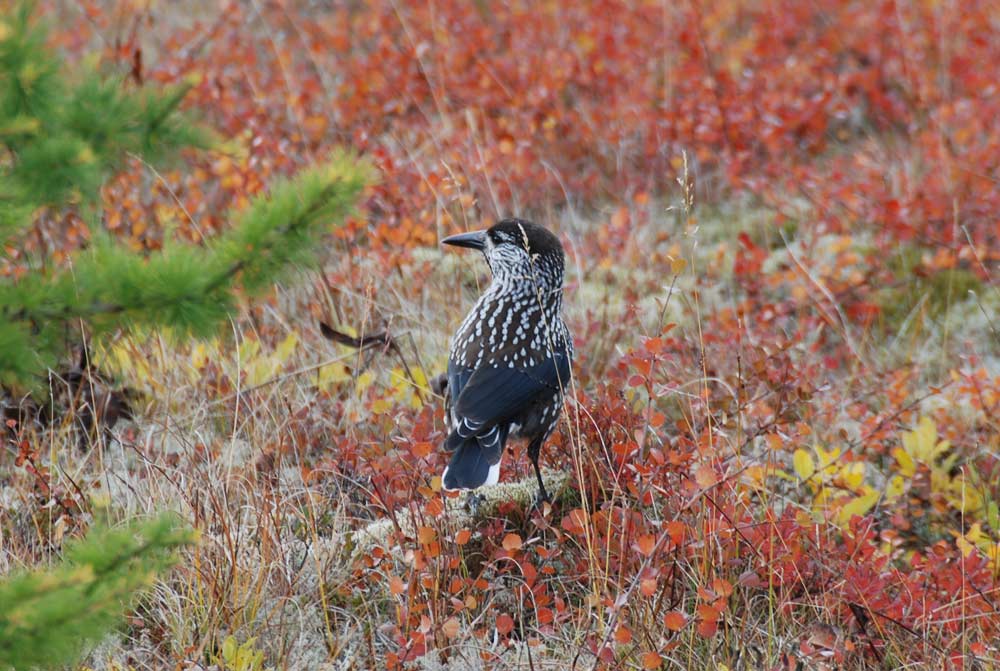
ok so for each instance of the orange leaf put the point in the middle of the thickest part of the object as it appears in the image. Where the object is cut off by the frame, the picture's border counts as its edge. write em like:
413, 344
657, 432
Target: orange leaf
434, 507
462, 537
505, 624
707, 612
705, 476
426, 535
653, 345
647, 586
396, 585
674, 620
708, 628
421, 449
450, 627
722, 587
676, 531
511, 542
651, 660
623, 635
646, 543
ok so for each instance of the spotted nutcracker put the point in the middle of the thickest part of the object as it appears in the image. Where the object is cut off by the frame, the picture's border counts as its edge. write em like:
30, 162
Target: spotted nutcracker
509, 364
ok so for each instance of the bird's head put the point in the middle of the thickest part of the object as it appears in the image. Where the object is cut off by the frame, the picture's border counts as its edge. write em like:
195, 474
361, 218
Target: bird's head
517, 249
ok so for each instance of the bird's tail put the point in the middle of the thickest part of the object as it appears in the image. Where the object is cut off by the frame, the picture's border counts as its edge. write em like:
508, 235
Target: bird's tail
475, 462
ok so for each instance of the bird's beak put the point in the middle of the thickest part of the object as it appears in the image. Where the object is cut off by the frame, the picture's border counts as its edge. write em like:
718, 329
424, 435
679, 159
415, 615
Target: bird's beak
472, 240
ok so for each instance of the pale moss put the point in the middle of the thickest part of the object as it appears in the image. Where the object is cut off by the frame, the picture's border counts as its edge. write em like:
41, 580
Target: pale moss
457, 514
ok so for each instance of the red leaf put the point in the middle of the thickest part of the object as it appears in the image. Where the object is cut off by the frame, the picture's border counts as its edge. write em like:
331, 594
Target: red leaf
505, 624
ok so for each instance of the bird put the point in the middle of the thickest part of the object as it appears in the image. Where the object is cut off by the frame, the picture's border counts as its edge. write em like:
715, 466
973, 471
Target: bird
510, 360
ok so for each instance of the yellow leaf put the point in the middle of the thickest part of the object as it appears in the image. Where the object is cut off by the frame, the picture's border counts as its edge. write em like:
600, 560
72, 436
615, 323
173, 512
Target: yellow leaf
199, 356
286, 347
907, 467
943, 447
858, 506
85, 155
248, 349
755, 474
329, 375
364, 381
975, 533
823, 498
964, 545
229, 648
381, 406
400, 383
258, 371
853, 474
779, 473
920, 443
803, 463
404, 389
966, 497
827, 457
895, 487
419, 377
585, 42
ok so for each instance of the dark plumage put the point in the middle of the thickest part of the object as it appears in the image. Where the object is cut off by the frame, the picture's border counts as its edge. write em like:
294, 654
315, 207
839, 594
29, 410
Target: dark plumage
509, 364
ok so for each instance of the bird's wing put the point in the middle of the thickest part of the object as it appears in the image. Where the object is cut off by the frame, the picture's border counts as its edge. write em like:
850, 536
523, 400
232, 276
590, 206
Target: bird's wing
458, 376
494, 394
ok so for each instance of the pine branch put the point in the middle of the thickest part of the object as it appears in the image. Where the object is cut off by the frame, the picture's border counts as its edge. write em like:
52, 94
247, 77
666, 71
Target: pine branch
60, 138
50, 616
188, 290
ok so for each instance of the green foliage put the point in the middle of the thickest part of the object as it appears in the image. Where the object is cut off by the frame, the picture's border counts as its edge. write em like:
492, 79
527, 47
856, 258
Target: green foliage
936, 290
279, 232
61, 142
49, 616
63, 136
241, 656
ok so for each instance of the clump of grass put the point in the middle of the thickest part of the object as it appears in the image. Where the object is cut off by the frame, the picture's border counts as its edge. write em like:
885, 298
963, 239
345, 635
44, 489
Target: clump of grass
926, 294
